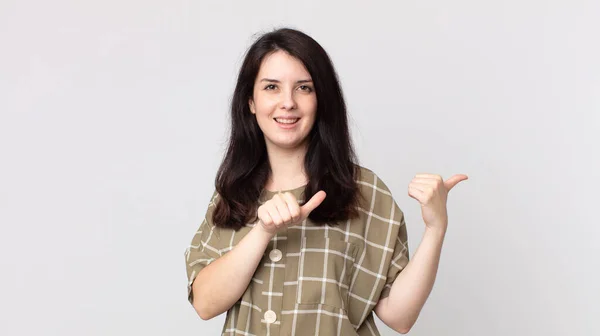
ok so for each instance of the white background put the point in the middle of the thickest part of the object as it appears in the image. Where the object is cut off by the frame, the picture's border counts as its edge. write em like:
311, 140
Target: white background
113, 119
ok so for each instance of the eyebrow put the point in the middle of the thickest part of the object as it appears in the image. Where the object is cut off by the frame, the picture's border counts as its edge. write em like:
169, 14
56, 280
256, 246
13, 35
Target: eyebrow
277, 81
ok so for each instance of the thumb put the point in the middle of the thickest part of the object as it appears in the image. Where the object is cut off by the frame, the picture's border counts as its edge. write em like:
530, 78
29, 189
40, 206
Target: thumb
451, 182
312, 204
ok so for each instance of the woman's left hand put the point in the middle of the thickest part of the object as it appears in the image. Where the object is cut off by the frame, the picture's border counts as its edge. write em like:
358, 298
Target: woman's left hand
432, 193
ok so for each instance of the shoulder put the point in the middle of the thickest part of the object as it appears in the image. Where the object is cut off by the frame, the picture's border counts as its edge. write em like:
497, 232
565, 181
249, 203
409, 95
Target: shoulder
367, 180
212, 203
208, 224
375, 193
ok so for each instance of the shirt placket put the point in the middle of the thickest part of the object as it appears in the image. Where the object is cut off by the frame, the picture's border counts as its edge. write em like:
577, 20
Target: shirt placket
274, 292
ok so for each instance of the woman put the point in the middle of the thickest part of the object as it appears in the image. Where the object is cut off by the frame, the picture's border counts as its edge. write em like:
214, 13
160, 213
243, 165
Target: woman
299, 239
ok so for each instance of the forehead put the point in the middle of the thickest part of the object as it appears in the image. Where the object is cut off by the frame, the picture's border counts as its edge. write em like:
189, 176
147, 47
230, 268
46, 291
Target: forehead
281, 65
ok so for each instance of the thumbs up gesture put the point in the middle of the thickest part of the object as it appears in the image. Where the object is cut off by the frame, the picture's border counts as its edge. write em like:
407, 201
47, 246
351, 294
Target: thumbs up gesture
283, 210
432, 193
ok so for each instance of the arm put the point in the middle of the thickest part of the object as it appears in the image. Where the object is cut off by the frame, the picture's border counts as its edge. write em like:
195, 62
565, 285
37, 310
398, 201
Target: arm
213, 289
413, 285
411, 288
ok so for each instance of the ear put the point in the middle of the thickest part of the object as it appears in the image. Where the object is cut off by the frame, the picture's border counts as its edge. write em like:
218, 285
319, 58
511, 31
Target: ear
251, 104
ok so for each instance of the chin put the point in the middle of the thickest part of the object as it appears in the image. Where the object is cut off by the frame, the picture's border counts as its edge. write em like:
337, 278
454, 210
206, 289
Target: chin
287, 144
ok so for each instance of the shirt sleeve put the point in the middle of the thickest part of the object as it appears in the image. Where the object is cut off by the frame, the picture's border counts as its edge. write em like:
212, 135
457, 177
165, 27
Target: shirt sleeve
204, 248
400, 256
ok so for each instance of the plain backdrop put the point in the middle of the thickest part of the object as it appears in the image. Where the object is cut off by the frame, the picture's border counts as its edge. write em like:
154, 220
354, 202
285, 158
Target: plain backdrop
113, 120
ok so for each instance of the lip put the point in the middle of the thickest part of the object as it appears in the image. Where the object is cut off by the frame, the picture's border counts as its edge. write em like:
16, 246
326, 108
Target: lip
286, 126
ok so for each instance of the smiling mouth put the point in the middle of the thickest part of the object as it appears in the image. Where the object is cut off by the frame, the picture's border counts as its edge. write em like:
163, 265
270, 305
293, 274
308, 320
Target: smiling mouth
286, 121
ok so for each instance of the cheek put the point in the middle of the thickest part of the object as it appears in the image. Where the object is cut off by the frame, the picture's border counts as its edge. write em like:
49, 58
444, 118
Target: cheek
309, 105
313, 110
264, 107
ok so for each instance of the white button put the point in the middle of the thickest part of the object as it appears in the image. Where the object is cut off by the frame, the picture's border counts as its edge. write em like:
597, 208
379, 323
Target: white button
275, 255
270, 316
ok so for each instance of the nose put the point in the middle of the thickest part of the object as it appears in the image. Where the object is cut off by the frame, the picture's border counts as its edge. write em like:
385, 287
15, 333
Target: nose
287, 100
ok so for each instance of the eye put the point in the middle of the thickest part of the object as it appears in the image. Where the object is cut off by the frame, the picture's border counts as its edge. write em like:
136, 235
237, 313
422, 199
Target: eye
306, 88
270, 87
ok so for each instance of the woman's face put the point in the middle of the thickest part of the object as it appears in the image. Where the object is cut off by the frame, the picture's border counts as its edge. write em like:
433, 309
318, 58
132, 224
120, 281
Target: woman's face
284, 101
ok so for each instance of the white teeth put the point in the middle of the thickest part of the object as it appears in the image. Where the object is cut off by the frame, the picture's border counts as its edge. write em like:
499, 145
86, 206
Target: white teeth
287, 121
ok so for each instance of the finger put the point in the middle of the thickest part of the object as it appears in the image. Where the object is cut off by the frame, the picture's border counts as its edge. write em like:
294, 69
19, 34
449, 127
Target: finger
425, 180
280, 202
420, 186
292, 204
264, 217
454, 180
272, 210
417, 194
282, 208
313, 203
430, 176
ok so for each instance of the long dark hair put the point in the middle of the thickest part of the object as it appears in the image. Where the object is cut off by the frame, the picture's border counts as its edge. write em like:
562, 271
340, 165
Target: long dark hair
330, 161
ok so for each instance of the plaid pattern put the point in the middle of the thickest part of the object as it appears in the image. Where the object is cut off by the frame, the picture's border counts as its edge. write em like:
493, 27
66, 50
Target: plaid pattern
313, 280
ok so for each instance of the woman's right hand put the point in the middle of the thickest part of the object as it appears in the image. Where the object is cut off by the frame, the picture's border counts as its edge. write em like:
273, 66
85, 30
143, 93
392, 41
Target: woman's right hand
283, 210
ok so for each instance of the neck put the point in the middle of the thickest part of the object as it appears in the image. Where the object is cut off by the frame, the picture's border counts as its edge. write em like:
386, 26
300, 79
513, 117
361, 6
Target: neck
287, 168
